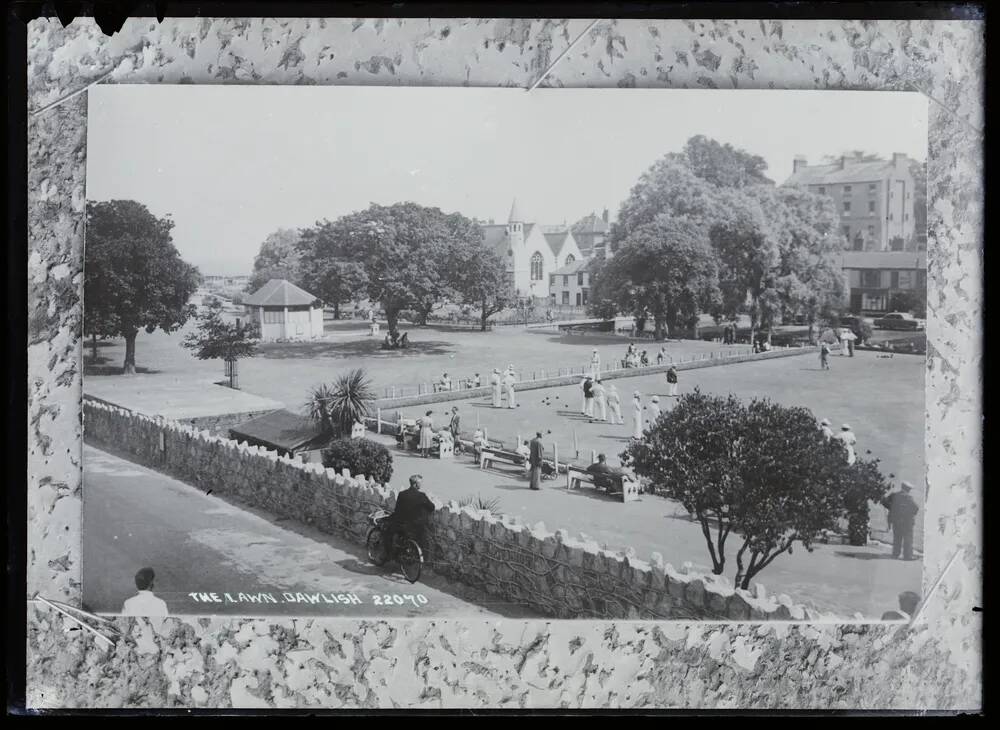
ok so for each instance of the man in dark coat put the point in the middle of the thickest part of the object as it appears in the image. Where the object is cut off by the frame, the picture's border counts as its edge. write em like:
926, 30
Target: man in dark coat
535, 460
902, 514
605, 476
411, 515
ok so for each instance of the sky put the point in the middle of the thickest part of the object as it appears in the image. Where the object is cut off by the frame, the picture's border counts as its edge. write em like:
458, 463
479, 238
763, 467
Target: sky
232, 164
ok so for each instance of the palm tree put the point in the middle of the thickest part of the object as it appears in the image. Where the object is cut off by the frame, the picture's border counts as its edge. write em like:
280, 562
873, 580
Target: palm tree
336, 406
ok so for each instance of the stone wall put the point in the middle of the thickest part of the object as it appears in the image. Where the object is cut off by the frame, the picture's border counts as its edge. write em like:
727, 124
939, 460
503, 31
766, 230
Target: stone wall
607, 374
551, 572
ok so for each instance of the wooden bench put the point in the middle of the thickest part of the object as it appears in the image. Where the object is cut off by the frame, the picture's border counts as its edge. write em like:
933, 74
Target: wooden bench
576, 476
489, 456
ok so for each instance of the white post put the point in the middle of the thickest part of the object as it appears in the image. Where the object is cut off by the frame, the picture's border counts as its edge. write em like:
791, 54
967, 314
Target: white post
518, 441
378, 420
394, 391
576, 444
555, 455
593, 456
477, 418
486, 435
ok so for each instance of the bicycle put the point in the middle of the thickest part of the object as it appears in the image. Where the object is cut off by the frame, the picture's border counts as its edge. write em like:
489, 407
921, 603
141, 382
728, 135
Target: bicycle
404, 550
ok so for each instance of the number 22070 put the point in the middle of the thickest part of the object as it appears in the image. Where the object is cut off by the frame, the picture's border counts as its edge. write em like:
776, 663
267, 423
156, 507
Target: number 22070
396, 599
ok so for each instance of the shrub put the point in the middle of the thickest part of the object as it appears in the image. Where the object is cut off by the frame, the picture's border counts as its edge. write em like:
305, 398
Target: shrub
761, 473
478, 502
360, 456
336, 406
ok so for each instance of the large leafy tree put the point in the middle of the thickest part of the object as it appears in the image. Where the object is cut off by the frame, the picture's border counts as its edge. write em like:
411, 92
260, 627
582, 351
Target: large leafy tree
406, 251
808, 278
480, 280
759, 473
664, 270
723, 165
278, 258
329, 268
134, 277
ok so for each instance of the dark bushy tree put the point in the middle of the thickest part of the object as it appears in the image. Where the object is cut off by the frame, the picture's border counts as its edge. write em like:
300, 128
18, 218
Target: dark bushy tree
406, 251
760, 471
329, 268
909, 300
360, 456
480, 280
134, 277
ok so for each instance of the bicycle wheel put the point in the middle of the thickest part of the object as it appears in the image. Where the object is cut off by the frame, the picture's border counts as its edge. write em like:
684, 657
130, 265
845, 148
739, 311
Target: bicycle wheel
376, 549
411, 559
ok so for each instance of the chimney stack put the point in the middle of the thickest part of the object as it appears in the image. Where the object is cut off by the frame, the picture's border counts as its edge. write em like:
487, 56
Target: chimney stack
898, 159
604, 215
843, 161
798, 163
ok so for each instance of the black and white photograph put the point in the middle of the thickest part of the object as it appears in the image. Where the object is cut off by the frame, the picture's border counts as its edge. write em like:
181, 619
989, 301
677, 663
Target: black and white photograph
376, 352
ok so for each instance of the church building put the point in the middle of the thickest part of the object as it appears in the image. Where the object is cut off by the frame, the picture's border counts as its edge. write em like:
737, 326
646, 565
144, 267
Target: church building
532, 252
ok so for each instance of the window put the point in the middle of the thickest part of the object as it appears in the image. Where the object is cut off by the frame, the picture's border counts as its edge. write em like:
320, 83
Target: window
859, 242
579, 279
871, 207
584, 293
847, 232
565, 297
871, 188
570, 258
552, 280
578, 299
871, 279
921, 279
565, 280
896, 243
821, 190
905, 279
847, 206
536, 267
894, 279
871, 232
847, 189
890, 216
273, 316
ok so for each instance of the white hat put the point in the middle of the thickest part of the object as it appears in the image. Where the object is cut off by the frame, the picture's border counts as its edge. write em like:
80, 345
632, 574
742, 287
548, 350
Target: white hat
845, 427
655, 399
637, 394
905, 484
825, 422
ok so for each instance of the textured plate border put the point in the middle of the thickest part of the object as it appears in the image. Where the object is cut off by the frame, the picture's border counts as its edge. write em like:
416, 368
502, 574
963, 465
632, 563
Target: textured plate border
191, 662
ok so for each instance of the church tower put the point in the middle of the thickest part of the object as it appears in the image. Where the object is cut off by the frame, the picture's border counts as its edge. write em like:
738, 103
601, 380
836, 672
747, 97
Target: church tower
515, 228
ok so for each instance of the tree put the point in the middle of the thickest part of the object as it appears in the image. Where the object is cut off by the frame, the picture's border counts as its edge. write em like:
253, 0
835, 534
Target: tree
328, 268
405, 250
134, 278
919, 172
723, 165
481, 281
761, 471
336, 406
216, 339
665, 270
913, 301
278, 258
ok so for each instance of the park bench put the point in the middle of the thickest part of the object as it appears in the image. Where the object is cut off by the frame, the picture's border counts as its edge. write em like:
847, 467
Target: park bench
577, 476
491, 455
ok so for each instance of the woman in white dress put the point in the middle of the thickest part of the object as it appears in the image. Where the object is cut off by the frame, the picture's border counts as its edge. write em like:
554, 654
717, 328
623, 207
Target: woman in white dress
637, 415
426, 442
595, 365
654, 409
495, 382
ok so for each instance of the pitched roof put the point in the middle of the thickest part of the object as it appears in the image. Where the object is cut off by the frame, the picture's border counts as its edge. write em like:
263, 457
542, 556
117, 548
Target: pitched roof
591, 224
280, 429
577, 267
833, 174
279, 293
556, 240
885, 260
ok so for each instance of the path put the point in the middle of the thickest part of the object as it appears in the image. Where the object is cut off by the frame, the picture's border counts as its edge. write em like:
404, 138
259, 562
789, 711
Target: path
137, 517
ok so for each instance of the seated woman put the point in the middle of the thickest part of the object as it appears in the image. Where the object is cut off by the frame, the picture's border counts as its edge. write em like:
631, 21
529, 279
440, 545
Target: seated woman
478, 443
524, 451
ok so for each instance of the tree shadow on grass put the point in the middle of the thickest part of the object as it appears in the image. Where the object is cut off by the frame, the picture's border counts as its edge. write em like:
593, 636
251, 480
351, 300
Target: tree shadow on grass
863, 556
351, 349
102, 370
